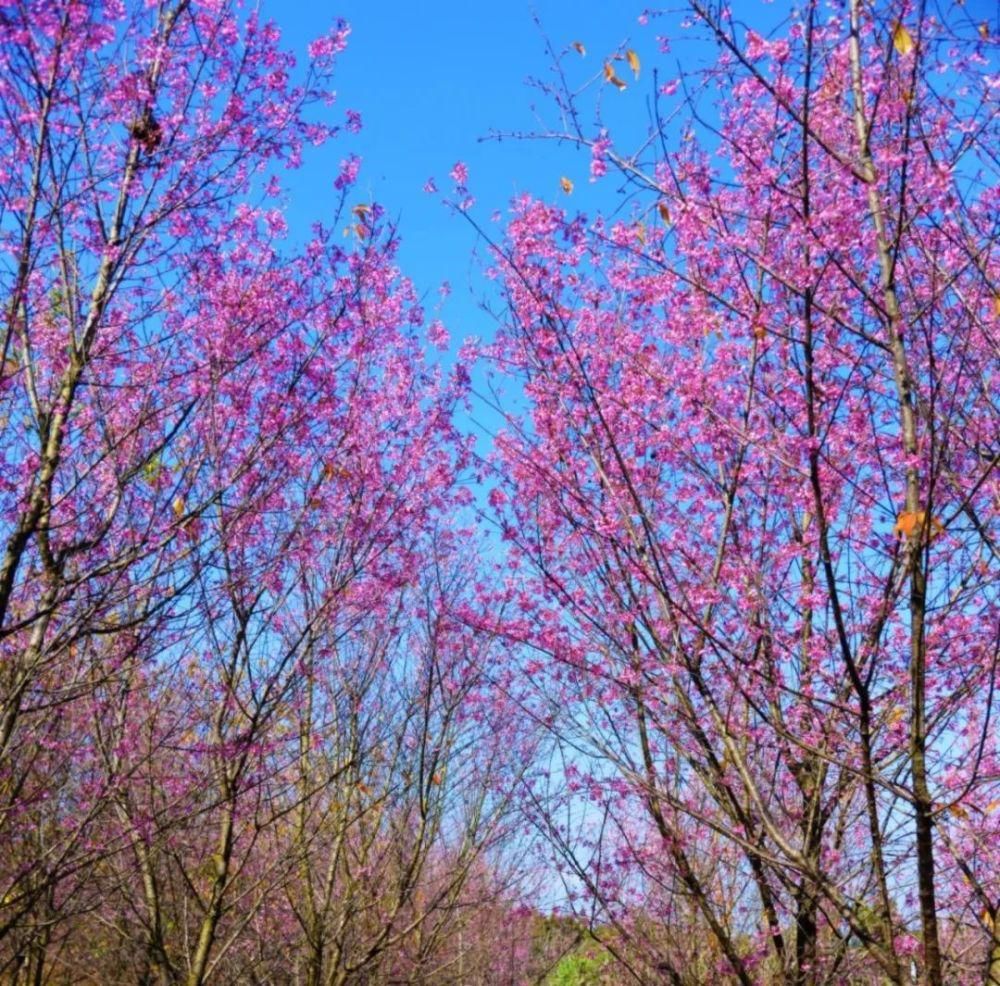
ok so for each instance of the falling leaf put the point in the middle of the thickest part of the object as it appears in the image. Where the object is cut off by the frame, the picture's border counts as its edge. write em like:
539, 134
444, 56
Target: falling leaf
901, 39
640, 232
987, 919
578, 45
359, 231
566, 185
664, 211
361, 211
178, 507
896, 715
996, 305
984, 31
759, 332
633, 61
609, 74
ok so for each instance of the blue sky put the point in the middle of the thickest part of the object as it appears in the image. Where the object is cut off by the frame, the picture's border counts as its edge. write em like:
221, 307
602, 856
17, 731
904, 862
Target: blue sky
430, 80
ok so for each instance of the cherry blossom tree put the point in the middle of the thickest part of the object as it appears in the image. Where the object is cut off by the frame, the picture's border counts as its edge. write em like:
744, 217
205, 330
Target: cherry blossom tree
271, 711
750, 501
228, 474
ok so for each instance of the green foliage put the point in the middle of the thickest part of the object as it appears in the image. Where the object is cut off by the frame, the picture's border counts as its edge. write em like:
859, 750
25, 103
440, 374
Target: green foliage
581, 968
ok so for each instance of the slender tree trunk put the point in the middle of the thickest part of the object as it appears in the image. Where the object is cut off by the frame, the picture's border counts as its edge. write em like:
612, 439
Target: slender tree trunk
993, 963
922, 803
213, 913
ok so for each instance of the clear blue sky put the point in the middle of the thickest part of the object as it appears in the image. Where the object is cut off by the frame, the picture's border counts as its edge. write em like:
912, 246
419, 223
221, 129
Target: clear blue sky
429, 80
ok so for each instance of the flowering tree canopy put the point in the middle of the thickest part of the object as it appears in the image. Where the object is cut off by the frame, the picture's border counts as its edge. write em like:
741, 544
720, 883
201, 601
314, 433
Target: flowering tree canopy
751, 501
272, 709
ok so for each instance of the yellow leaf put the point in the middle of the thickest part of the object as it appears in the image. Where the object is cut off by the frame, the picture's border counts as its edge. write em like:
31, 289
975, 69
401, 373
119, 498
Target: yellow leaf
609, 74
633, 61
566, 185
178, 507
984, 31
664, 211
901, 39
896, 715
578, 45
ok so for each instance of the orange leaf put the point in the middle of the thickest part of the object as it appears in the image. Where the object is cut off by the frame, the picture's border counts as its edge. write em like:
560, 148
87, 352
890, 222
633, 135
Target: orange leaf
759, 332
566, 185
361, 211
609, 75
633, 61
578, 45
331, 471
640, 232
902, 41
664, 211
984, 31
910, 523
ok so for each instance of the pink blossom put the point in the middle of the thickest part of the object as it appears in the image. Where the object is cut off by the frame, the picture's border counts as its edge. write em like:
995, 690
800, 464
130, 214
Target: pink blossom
324, 49
599, 156
348, 175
